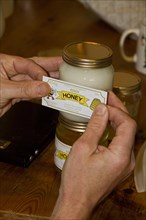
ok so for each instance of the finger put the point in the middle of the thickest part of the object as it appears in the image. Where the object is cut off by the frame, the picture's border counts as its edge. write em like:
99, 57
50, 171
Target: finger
5, 109
50, 64
29, 67
21, 77
24, 89
113, 100
55, 75
125, 131
14, 65
96, 127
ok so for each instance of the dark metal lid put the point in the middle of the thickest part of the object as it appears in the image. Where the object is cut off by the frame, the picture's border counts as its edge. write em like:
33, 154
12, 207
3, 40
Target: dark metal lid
87, 54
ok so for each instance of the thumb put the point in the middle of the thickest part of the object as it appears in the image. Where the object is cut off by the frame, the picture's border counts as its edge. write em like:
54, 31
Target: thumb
24, 89
96, 127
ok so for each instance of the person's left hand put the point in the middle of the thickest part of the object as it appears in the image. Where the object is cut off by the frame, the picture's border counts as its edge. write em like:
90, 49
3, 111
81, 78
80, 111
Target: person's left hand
20, 78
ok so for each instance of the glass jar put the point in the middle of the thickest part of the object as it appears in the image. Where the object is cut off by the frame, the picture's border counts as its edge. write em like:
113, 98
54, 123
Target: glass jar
127, 86
87, 64
67, 132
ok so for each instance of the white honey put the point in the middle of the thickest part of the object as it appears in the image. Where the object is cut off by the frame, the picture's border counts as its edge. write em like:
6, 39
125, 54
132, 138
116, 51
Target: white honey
87, 64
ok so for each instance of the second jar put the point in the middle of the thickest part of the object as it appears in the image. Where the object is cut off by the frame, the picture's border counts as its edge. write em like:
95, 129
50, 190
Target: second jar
67, 132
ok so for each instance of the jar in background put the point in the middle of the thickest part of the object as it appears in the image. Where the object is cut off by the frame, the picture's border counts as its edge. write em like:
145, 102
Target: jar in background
127, 86
87, 64
67, 132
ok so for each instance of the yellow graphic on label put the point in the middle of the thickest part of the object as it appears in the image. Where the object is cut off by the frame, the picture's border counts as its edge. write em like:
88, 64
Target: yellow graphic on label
94, 103
66, 95
62, 155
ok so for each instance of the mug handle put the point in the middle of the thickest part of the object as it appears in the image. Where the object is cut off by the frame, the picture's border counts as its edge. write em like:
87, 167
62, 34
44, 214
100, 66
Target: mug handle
124, 35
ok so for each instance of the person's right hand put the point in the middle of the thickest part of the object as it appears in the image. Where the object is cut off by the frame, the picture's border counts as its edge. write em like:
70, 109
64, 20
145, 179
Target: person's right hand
92, 171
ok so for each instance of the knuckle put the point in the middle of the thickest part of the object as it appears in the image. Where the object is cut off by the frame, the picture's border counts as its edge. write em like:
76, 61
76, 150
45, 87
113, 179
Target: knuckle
80, 145
27, 90
132, 123
124, 164
30, 63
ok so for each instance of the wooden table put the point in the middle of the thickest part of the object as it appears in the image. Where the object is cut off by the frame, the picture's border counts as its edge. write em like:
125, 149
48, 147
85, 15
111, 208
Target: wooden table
30, 193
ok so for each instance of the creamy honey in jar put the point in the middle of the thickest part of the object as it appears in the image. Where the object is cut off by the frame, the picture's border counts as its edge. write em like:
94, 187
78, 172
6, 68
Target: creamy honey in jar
87, 64
67, 132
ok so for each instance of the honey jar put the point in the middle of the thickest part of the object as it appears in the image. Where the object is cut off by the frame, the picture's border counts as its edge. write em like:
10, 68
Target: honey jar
67, 132
127, 86
87, 64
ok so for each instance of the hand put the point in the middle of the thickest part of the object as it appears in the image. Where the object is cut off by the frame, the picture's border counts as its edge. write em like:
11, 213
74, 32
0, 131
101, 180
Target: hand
49, 64
92, 171
20, 78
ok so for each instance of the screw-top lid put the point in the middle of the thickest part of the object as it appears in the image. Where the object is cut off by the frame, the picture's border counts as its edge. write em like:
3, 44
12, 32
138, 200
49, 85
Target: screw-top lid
87, 54
72, 125
126, 83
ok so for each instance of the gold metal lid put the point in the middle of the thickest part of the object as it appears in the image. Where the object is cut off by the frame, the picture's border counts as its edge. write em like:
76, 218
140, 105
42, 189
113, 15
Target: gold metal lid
87, 54
72, 125
126, 83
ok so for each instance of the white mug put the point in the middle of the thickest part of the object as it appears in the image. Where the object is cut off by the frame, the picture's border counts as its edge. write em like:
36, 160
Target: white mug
139, 58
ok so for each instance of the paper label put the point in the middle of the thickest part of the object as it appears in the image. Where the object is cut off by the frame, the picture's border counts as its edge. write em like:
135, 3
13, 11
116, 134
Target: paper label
61, 153
72, 98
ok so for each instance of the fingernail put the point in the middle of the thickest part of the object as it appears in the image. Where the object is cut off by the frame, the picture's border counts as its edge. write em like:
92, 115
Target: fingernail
101, 109
43, 89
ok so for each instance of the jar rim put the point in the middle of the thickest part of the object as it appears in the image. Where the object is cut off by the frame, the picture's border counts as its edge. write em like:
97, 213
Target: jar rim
126, 83
72, 125
87, 54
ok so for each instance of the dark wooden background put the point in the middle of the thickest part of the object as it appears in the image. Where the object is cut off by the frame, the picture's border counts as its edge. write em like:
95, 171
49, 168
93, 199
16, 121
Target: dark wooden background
45, 27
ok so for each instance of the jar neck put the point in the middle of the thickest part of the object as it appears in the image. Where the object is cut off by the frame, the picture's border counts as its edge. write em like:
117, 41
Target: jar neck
72, 125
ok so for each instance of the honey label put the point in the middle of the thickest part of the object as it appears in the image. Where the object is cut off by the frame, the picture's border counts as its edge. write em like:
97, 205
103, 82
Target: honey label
72, 98
61, 153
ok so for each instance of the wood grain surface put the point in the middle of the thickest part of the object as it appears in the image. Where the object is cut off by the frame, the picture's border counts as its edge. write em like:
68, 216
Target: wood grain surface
42, 27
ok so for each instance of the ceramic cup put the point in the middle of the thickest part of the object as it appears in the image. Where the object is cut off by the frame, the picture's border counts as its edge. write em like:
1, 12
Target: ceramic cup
139, 58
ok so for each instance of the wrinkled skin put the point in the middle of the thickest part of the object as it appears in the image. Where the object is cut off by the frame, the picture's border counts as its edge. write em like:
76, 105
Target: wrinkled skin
20, 78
